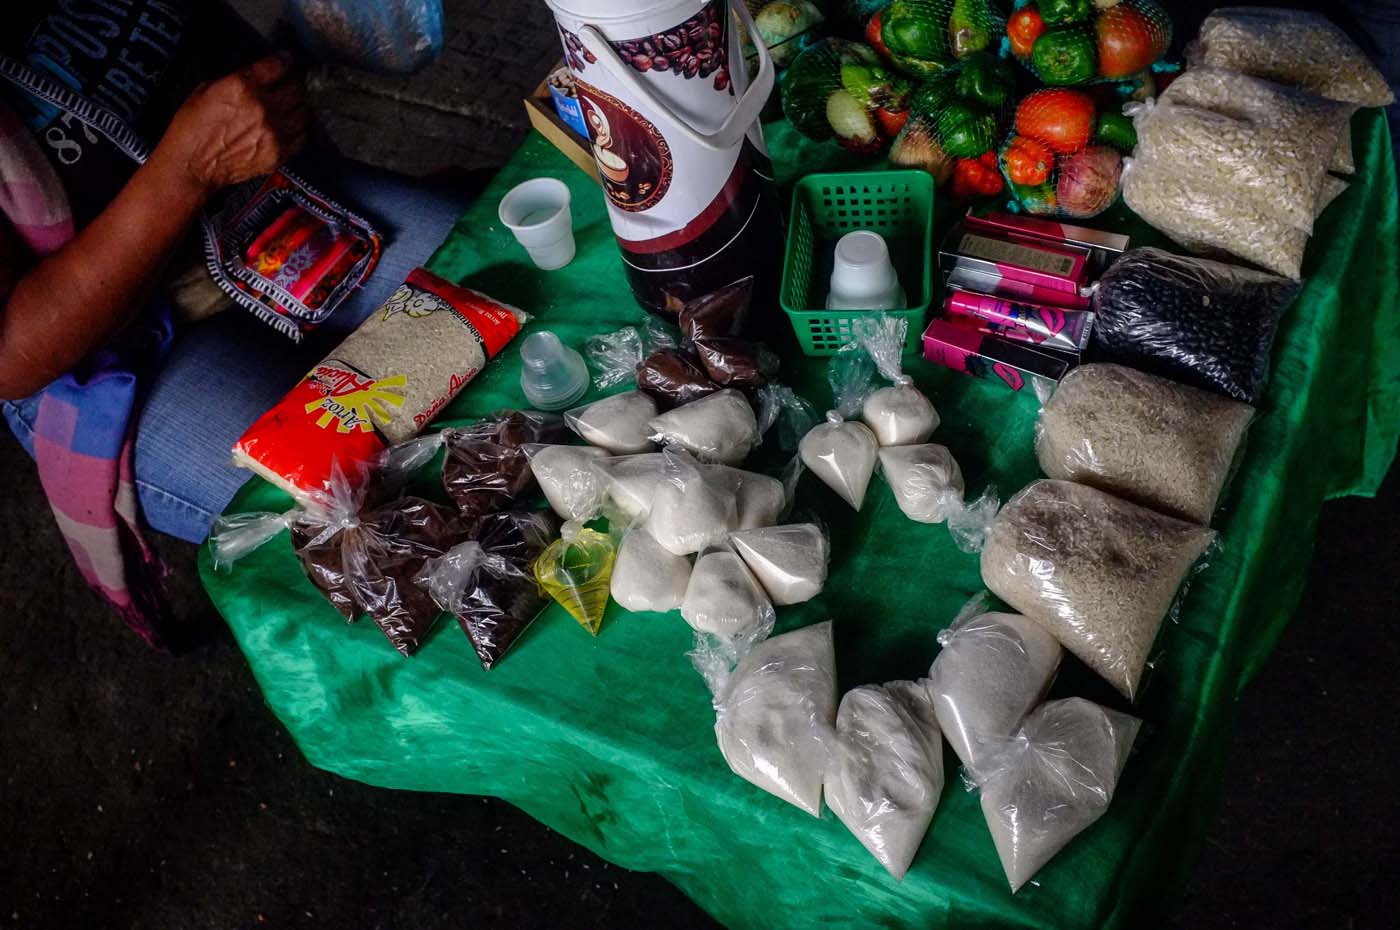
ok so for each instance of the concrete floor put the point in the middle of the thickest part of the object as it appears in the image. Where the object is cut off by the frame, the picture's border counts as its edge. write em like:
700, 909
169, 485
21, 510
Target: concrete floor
146, 791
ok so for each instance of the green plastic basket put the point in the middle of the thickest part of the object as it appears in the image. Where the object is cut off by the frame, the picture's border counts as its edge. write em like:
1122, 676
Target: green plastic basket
896, 204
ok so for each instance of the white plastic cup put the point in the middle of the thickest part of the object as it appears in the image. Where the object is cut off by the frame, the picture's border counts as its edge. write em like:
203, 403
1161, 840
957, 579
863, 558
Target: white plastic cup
862, 276
537, 212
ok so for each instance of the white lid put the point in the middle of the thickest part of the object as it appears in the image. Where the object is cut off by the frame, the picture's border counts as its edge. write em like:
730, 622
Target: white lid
614, 12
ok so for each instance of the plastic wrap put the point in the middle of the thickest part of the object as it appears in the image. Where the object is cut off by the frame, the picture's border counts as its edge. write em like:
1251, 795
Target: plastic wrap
925, 479
1098, 572
1143, 438
1053, 780
993, 668
720, 428
1196, 321
736, 363
486, 582
956, 120
775, 713
839, 452
235, 535
886, 769
1294, 47
1064, 156
723, 598
576, 570
485, 468
617, 423
760, 499
566, 477
898, 415
388, 36
646, 576
615, 357
790, 562
692, 507
794, 417
629, 481
674, 378
1084, 41
841, 89
717, 315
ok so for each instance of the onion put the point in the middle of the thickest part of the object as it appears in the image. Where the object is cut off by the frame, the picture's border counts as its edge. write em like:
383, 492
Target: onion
1088, 181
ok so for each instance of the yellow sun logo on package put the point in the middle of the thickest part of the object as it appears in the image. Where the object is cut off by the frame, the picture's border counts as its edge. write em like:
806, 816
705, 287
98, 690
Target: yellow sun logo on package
354, 402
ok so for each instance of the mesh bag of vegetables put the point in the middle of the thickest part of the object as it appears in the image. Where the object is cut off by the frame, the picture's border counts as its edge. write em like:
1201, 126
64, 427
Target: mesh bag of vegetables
922, 37
1064, 156
956, 118
840, 89
1080, 41
786, 28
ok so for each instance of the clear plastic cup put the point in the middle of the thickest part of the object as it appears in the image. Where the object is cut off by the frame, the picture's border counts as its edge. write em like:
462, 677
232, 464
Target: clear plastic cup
537, 212
862, 276
552, 375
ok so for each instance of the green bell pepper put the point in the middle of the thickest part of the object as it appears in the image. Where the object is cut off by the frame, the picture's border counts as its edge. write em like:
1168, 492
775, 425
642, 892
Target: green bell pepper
1116, 130
874, 86
986, 78
1066, 11
910, 29
1065, 55
970, 26
966, 129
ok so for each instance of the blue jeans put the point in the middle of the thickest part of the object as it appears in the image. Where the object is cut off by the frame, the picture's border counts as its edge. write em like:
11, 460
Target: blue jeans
225, 372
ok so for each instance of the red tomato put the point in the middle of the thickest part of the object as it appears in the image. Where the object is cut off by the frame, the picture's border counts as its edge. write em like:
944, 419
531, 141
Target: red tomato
873, 37
1129, 40
1023, 28
1058, 116
891, 121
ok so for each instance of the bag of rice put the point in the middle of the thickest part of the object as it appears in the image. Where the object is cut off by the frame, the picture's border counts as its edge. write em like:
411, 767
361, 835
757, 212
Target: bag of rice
617, 423
645, 576
1294, 47
1097, 572
1053, 780
380, 386
775, 713
719, 428
1199, 322
1146, 439
566, 477
790, 562
925, 479
993, 668
692, 508
886, 770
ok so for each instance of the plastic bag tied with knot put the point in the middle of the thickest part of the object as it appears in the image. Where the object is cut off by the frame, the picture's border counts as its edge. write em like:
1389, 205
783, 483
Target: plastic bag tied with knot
886, 769
719, 428
576, 570
1052, 780
898, 415
616, 356
486, 582
841, 452
775, 712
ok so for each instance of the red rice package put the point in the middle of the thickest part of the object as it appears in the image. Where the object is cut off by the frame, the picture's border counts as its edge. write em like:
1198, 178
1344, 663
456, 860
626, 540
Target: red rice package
381, 385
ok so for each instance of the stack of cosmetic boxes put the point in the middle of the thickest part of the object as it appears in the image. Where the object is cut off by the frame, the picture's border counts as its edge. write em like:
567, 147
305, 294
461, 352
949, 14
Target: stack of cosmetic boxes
1019, 303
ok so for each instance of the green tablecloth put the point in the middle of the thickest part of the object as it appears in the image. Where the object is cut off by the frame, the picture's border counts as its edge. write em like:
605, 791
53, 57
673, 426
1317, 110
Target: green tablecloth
610, 740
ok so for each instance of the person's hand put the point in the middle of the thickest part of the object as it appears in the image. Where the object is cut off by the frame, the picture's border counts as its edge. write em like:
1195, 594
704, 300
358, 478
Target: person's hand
239, 127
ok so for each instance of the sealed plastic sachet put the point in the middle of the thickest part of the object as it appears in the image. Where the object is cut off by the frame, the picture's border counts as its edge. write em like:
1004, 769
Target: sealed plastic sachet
790, 562
1099, 573
1146, 439
993, 668
760, 500
616, 356
886, 769
775, 713
718, 428
486, 582
1052, 780
722, 598
898, 415
692, 506
576, 570
617, 424
840, 452
719, 314
674, 378
629, 481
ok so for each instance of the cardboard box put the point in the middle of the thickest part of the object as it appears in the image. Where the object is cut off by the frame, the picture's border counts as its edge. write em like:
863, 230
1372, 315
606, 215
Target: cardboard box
539, 107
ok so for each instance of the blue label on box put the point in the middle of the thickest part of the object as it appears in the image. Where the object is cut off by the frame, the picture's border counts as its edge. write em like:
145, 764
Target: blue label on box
569, 111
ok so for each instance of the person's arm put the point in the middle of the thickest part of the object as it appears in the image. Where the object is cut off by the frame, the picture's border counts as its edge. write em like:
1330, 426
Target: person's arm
56, 312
